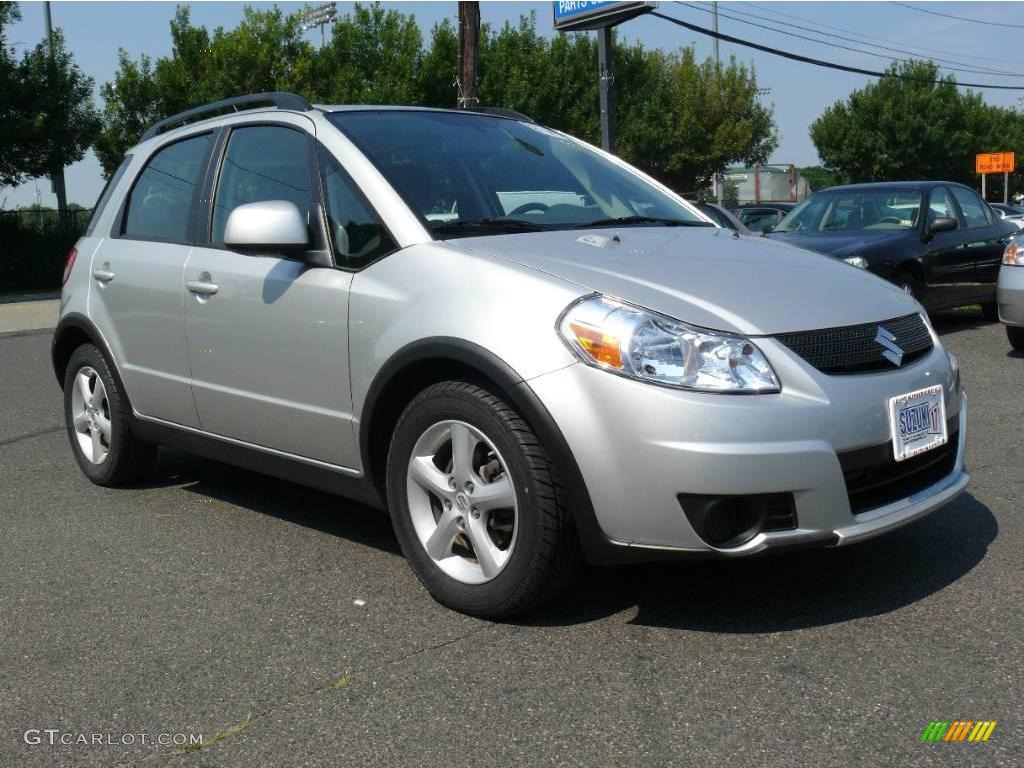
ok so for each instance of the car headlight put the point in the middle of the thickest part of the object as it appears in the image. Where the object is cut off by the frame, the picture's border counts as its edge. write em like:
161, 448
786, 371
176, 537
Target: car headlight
634, 342
857, 261
1013, 255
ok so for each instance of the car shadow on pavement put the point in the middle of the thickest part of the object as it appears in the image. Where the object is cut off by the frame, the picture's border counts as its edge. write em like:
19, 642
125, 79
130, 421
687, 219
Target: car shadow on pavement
963, 319
791, 591
271, 496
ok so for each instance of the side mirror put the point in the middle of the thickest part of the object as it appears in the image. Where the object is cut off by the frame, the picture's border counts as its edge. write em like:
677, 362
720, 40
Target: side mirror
270, 225
942, 224
766, 228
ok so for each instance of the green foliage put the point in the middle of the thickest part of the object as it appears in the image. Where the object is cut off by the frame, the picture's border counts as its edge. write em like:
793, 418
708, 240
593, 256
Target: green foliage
47, 115
730, 194
34, 246
821, 178
679, 119
909, 127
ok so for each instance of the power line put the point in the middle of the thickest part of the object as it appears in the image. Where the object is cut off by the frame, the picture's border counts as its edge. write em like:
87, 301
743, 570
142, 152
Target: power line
881, 39
821, 62
960, 66
1001, 24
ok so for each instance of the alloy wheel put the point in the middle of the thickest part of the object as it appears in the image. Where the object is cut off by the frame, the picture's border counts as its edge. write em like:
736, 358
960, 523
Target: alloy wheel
90, 411
462, 502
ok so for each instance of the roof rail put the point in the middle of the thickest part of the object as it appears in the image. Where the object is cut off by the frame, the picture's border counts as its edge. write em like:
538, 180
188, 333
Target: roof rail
279, 99
501, 112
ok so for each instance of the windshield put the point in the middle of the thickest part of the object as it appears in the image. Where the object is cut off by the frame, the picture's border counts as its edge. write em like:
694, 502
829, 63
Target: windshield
464, 173
848, 210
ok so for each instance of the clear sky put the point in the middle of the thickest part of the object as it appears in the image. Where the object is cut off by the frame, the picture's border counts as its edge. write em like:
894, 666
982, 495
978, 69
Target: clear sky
799, 92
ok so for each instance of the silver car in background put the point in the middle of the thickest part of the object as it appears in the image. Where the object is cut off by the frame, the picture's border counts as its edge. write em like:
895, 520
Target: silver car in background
529, 352
1010, 292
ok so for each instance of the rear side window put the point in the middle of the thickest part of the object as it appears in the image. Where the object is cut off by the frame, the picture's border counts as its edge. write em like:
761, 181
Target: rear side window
262, 162
973, 207
161, 200
108, 190
357, 234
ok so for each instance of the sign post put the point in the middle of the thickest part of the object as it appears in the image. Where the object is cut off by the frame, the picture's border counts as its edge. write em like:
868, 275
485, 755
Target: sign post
996, 162
576, 15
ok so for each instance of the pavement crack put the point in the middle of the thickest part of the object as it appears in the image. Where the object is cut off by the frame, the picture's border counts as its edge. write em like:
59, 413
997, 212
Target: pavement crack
29, 435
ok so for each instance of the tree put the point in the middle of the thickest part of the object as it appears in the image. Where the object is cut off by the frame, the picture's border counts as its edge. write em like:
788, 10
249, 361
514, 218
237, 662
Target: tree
821, 178
912, 125
695, 119
47, 115
682, 120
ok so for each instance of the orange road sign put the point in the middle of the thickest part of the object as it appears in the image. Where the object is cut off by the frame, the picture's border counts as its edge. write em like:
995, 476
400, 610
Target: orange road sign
994, 162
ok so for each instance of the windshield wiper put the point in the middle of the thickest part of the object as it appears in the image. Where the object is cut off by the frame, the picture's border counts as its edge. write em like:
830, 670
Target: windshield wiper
486, 226
627, 220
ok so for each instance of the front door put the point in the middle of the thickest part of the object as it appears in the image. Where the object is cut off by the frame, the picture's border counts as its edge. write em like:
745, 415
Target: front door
269, 348
949, 263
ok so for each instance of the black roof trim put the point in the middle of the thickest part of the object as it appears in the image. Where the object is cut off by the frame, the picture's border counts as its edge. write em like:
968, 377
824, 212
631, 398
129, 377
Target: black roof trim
279, 99
501, 112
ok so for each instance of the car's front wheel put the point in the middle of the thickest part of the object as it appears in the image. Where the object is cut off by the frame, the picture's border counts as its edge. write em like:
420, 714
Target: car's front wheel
96, 414
1016, 336
476, 503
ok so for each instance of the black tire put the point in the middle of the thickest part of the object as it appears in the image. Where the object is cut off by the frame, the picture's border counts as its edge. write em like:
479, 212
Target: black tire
127, 457
1016, 336
990, 311
911, 284
546, 556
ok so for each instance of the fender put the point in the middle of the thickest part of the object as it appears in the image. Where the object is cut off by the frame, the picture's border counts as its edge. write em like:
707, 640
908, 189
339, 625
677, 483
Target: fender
472, 357
60, 350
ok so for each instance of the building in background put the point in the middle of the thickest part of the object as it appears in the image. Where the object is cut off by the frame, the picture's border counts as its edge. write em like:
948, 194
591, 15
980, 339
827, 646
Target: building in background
767, 183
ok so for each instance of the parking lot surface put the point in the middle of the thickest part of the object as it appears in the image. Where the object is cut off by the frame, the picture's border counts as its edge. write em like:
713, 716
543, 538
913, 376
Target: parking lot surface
283, 625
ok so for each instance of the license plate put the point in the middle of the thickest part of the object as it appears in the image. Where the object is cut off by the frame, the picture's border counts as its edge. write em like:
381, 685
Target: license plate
918, 421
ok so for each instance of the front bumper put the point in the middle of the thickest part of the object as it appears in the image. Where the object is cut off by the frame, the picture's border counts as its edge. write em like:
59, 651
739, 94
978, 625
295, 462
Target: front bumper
639, 446
1010, 295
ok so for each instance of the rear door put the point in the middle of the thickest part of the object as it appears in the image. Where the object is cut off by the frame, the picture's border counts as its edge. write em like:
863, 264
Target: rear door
137, 297
987, 238
269, 349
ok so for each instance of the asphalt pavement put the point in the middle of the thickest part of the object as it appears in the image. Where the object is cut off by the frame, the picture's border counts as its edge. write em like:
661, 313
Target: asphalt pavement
283, 625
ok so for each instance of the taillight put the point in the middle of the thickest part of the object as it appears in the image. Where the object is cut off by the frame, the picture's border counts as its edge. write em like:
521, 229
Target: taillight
68, 264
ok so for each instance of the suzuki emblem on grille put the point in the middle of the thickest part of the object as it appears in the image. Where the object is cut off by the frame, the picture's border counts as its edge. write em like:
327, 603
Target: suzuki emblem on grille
892, 352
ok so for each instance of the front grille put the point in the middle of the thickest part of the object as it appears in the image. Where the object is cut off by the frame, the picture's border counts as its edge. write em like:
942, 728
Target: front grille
874, 478
853, 349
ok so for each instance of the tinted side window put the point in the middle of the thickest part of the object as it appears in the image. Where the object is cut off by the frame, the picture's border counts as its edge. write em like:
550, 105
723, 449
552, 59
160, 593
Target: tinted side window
973, 207
262, 162
358, 235
108, 189
160, 201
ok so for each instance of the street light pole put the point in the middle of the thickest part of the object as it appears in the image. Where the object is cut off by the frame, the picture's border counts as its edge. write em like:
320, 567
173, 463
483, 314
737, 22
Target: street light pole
318, 16
56, 172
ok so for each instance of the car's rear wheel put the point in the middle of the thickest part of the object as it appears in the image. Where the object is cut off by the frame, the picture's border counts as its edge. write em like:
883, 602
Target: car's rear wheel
1016, 336
476, 503
96, 414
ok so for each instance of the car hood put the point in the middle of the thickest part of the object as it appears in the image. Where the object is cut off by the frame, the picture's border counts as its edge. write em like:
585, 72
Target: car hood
706, 276
838, 244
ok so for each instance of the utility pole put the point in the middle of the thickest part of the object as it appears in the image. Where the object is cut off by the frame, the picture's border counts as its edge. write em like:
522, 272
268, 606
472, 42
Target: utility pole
607, 88
714, 26
469, 53
56, 173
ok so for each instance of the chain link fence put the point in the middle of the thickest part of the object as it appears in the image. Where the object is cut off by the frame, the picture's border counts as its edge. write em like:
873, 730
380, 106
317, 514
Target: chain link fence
33, 246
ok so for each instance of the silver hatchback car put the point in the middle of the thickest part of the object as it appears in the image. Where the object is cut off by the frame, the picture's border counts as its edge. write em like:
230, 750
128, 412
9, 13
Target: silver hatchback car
526, 350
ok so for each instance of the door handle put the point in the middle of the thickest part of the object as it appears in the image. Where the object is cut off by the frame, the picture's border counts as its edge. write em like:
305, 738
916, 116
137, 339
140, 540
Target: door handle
103, 273
202, 287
